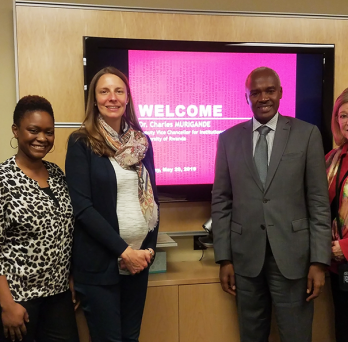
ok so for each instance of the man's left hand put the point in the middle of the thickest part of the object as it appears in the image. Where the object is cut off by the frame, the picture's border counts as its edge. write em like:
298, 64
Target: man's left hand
315, 280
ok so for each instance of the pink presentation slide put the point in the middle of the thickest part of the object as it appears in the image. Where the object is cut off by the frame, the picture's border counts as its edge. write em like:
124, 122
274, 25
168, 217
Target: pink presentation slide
185, 99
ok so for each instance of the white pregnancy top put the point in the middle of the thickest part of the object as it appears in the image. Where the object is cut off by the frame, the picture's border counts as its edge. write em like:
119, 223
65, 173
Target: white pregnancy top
131, 221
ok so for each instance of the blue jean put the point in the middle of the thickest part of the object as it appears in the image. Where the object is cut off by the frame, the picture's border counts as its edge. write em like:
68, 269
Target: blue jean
114, 312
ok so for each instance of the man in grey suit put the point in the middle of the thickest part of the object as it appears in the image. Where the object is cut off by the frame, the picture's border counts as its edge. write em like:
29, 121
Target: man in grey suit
271, 215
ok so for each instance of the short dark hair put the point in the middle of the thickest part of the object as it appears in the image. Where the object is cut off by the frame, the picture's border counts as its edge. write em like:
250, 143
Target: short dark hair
262, 69
31, 103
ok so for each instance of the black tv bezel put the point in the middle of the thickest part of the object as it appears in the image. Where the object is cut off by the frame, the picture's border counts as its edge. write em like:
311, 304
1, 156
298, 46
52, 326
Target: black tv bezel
202, 192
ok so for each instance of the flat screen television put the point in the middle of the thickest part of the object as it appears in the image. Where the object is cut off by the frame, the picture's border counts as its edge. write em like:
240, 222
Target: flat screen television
187, 92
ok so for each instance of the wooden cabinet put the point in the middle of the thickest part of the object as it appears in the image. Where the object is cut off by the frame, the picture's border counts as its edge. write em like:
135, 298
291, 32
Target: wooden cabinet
207, 314
189, 313
198, 310
161, 314
187, 304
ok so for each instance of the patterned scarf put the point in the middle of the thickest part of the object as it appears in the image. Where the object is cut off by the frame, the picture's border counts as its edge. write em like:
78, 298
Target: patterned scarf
130, 148
332, 162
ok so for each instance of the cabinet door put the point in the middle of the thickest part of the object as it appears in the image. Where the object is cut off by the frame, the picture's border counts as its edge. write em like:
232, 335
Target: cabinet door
324, 316
160, 320
207, 314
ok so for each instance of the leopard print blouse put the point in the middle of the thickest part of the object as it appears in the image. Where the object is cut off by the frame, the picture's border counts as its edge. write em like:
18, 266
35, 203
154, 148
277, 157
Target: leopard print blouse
35, 233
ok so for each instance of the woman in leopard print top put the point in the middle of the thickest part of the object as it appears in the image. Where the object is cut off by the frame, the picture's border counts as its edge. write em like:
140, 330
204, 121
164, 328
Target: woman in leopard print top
36, 225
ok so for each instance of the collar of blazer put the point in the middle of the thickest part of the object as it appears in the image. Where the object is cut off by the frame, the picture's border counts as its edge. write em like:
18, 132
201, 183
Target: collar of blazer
279, 144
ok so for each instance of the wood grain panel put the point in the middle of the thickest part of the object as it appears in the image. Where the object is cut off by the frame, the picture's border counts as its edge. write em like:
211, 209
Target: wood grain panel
161, 315
323, 321
186, 273
207, 314
184, 216
60, 146
50, 43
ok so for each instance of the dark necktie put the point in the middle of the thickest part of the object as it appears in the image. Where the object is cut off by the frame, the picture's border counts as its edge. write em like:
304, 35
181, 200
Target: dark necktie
261, 153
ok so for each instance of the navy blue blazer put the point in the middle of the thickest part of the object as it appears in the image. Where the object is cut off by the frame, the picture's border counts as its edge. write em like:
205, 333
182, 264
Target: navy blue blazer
93, 190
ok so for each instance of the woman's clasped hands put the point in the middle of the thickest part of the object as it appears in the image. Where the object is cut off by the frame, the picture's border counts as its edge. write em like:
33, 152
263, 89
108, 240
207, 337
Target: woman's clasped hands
135, 260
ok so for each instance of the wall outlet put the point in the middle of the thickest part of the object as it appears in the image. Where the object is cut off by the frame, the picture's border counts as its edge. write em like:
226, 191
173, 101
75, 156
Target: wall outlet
196, 244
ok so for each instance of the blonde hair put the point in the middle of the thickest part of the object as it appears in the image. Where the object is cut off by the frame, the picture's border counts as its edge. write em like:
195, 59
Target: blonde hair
335, 127
90, 127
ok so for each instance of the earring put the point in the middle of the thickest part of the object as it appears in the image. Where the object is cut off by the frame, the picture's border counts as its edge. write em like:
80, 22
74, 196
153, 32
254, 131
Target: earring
95, 104
52, 150
11, 143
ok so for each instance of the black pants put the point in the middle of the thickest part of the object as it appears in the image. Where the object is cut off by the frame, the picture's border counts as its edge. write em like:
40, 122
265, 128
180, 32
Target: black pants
114, 312
340, 299
51, 319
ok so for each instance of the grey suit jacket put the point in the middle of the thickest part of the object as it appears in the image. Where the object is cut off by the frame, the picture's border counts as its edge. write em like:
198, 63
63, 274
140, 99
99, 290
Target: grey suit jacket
293, 209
